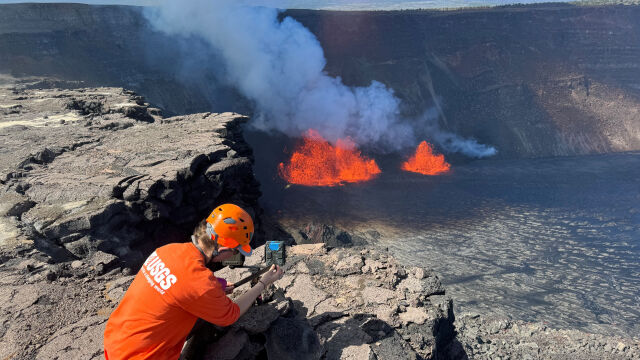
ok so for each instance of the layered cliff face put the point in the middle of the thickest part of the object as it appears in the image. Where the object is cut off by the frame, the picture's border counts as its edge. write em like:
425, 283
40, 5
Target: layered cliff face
533, 81
98, 169
110, 46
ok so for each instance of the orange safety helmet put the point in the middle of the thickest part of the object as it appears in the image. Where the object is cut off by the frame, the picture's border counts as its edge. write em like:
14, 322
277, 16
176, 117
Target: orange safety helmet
231, 227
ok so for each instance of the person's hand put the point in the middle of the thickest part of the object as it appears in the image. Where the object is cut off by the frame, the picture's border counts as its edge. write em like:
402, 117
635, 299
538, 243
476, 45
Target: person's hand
229, 289
272, 275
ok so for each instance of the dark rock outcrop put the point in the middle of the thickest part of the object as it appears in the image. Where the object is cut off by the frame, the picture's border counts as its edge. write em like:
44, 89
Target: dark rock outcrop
103, 172
331, 236
349, 307
484, 337
79, 46
292, 339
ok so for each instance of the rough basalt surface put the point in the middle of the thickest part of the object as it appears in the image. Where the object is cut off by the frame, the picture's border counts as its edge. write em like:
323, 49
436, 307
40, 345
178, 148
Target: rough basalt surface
345, 303
359, 303
100, 170
484, 337
56, 311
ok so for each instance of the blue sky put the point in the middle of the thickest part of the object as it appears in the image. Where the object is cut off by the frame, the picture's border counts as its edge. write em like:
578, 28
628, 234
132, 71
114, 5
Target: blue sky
116, 2
329, 4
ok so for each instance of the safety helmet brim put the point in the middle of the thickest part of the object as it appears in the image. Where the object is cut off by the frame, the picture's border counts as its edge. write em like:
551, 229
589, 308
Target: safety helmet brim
245, 250
232, 244
230, 223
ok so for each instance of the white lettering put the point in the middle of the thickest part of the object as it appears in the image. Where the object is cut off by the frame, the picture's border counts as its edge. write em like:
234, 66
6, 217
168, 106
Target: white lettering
159, 276
153, 263
151, 257
170, 280
159, 266
148, 278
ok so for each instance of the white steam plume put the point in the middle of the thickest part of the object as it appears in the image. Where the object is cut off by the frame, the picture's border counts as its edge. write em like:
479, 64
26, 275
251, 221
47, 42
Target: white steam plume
449, 141
279, 66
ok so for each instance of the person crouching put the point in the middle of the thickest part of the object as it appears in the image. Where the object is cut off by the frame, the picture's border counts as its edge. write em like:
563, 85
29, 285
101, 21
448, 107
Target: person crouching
174, 288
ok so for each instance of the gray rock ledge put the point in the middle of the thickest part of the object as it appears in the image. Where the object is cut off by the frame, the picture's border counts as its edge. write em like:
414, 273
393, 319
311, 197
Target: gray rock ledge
98, 169
344, 311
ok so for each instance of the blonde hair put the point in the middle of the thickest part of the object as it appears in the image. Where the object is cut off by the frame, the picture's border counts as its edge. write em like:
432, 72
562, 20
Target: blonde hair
202, 237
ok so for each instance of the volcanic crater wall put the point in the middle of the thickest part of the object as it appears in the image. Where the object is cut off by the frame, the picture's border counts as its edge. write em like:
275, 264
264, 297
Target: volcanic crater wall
536, 80
85, 45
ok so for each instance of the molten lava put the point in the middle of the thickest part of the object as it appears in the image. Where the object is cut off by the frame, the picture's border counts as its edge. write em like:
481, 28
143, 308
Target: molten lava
424, 161
316, 162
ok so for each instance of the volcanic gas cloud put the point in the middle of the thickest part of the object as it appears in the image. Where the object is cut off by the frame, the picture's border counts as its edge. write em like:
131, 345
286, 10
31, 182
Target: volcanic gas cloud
315, 162
425, 162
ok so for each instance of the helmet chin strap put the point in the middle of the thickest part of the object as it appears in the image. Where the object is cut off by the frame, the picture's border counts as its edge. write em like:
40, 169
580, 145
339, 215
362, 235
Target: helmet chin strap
214, 254
212, 233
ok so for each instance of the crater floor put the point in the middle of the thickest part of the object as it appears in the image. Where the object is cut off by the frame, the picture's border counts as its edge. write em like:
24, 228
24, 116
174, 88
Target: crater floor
552, 240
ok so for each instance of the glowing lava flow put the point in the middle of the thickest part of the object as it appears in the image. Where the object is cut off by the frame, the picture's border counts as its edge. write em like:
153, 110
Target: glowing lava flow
317, 163
424, 161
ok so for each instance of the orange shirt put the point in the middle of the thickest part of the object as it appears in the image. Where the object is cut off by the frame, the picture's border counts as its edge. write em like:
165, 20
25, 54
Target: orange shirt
170, 292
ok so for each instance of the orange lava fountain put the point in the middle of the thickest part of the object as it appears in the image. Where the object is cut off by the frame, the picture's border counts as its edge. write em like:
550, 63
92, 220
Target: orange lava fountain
425, 162
316, 162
